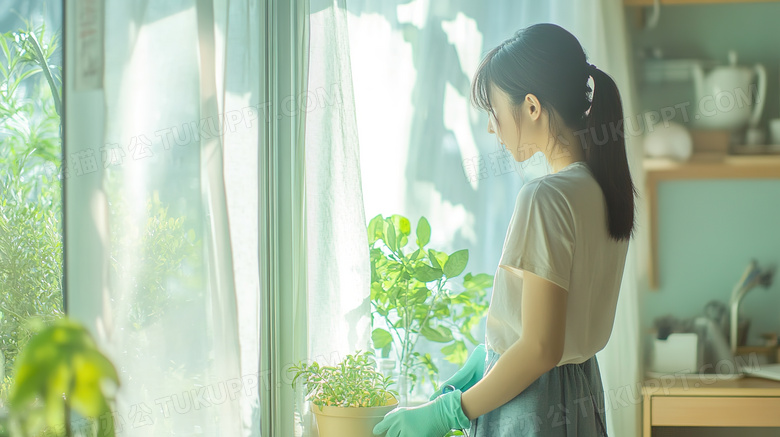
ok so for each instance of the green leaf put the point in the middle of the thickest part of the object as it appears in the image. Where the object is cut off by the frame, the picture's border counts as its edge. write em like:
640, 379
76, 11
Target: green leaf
420, 295
376, 290
390, 236
434, 261
426, 273
423, 232
401, 225
438, 259
62, 359
456, 263
428, 361
394, 293
381, 338
106, 422
440, 334
480, 281
456, 352
375, 229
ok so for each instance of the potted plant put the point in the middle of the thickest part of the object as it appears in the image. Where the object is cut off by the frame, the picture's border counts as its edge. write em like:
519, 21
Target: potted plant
347, 399
412, 296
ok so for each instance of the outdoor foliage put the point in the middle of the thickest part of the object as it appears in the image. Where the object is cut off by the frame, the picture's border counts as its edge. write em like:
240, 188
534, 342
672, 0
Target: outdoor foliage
158, 245
30, 203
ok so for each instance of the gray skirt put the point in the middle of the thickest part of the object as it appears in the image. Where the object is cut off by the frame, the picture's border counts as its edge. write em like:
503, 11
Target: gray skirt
567, 401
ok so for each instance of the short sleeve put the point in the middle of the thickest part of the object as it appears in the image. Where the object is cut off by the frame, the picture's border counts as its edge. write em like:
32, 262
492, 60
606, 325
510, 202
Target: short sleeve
540, 238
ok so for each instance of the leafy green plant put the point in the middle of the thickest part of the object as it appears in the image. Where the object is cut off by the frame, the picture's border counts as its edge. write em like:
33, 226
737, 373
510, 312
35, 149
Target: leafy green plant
354, 382
29, 96
402, 299
30, 270
62, 370
30, 203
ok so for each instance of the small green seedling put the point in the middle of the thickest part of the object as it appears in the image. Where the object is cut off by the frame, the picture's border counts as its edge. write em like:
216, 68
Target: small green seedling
354, 382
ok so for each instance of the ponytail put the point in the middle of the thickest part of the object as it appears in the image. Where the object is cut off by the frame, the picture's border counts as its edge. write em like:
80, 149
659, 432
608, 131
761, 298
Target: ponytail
605, 153
548, 61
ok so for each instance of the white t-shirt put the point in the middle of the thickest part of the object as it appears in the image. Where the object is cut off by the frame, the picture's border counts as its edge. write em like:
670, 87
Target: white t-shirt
558, 231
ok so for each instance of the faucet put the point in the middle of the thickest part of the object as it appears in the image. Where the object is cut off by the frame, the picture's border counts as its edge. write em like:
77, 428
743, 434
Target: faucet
750, 278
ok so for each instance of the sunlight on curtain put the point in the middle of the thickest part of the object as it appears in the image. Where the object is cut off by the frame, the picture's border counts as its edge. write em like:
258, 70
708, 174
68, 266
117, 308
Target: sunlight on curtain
241, 142
170, 318
337, 251
425, 151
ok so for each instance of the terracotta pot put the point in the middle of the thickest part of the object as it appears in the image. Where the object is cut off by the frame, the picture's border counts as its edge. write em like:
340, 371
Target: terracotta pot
350, 421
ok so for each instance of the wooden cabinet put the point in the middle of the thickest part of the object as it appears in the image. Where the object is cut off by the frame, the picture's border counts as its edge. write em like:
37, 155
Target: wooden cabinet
703, 401
731, 167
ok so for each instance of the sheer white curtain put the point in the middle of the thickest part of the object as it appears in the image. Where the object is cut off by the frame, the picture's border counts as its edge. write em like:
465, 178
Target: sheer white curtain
241, 144
149, 257
426, 151
338, 309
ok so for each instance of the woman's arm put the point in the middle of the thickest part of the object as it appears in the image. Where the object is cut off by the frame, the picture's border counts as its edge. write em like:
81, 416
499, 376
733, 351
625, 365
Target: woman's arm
538, 350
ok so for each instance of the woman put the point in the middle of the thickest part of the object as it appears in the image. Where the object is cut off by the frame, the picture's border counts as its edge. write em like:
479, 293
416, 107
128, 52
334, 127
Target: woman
556, 288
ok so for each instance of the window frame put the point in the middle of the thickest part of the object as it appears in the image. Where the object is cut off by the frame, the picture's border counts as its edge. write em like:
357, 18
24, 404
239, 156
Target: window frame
282, 257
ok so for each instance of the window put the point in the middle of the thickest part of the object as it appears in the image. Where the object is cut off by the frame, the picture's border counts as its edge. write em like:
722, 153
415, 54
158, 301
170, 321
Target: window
30, 191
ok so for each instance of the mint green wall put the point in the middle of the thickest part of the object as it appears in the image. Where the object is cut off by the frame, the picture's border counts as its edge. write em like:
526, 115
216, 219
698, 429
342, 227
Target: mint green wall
709, 230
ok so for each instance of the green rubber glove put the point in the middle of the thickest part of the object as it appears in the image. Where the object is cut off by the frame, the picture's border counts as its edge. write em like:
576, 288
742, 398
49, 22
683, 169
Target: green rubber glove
468, 375
431, 419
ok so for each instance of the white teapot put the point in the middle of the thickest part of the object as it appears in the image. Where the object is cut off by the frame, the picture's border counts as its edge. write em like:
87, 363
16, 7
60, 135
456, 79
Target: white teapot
724, 98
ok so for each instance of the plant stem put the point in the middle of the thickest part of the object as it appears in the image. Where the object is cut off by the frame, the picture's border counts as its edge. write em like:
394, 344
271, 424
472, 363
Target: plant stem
428, 313
4, 308
46, 72
68, 431
439, 287
397, 278
387, 319
396, 334
407, 324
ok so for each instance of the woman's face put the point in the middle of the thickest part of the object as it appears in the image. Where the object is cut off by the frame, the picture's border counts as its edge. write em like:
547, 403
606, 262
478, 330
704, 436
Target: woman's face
521, 140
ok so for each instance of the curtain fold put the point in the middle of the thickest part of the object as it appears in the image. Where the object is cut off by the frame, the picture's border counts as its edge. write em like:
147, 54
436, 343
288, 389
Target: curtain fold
240, 91
338, 244
338, 309
167, 307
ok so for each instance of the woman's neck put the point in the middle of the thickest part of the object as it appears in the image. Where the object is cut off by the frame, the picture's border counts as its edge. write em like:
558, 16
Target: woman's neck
564, 150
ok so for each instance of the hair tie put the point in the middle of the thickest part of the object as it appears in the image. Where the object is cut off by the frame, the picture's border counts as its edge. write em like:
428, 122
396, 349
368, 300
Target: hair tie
591, 69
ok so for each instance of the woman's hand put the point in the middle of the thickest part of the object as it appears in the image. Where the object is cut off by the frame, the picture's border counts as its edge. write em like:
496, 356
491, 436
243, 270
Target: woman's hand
431, 419
468, 375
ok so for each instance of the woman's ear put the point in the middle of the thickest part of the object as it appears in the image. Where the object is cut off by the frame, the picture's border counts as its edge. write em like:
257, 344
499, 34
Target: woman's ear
533, 106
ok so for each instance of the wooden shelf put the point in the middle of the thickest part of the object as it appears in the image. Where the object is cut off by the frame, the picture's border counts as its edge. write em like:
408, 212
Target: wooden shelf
730, 167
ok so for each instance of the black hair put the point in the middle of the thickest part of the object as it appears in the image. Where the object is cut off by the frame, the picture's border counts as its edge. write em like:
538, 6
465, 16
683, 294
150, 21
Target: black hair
548, 61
